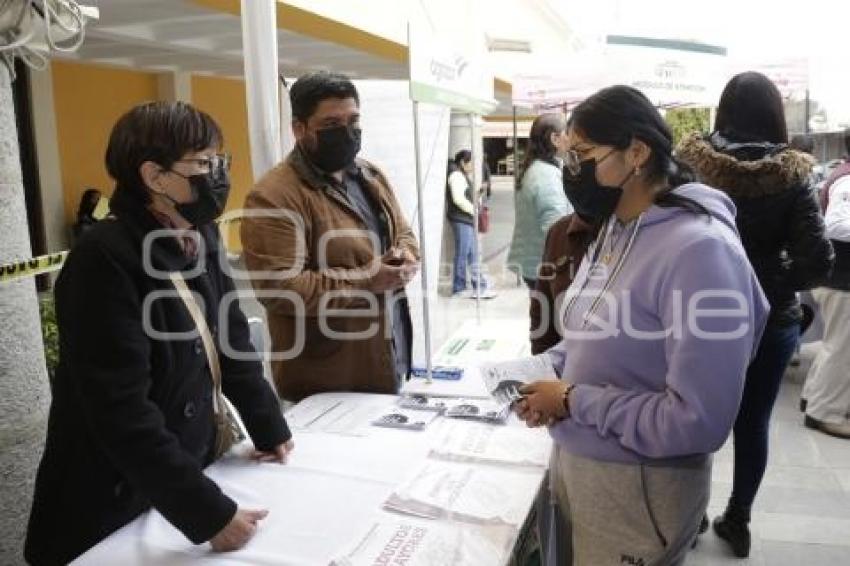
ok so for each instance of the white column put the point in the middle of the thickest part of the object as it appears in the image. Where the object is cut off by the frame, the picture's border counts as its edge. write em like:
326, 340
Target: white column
174, 86
259, 50
46, 136
24, 392
460, 137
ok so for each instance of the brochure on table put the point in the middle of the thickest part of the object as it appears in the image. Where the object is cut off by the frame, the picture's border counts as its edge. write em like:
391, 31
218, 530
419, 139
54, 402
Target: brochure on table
476, 442
468, 493
426, 543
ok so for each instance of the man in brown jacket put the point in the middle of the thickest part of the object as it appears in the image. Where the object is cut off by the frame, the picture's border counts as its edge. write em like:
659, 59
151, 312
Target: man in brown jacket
330, 253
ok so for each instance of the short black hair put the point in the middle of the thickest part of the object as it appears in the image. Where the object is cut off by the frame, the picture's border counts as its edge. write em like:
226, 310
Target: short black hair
847, 140
162, 132
463, 156
751, 110
311, 89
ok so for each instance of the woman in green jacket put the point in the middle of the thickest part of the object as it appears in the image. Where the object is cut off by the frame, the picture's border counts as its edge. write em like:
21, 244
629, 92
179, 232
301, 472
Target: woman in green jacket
539, 201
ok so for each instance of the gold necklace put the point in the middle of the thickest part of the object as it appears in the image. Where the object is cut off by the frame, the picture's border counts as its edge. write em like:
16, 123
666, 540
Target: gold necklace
607, 256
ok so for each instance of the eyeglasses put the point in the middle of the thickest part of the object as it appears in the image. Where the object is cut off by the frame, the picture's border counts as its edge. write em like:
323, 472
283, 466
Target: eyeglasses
214, 164
573, 159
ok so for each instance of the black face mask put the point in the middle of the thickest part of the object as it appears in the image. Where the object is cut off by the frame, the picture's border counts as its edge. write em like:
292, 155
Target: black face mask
594, 203
335, 148
210, 191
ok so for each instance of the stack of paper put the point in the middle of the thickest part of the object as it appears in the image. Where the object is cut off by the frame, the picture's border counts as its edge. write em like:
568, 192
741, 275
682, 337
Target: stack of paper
477, 409
335, 415
474, 442
440, 490
432, 544
395, 417
422, 403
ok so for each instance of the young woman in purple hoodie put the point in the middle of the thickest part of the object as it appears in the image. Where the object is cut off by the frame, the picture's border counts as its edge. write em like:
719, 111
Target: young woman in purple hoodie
659, 325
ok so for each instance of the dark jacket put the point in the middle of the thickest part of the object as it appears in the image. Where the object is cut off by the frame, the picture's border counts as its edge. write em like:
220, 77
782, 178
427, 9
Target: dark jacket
131, 421
778, 215
295, 212
566, 244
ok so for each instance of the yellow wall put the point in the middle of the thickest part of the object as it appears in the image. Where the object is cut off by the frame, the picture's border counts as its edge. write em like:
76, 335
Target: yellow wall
89, 99
224, 100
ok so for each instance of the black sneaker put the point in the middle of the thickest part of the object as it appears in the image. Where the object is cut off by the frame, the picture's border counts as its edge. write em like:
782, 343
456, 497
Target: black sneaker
735, 532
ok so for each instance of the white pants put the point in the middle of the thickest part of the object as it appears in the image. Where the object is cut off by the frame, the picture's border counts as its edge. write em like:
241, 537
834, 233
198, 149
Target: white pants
827, 389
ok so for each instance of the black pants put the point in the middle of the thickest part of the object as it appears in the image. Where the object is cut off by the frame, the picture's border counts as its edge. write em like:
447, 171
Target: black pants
764, 376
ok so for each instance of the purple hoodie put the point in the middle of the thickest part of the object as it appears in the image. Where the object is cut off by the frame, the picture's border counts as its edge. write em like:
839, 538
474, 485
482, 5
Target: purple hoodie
640, 397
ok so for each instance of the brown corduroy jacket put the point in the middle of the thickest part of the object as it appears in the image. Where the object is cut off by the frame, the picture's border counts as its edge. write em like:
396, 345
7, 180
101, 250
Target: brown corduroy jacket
566, 244
309, 215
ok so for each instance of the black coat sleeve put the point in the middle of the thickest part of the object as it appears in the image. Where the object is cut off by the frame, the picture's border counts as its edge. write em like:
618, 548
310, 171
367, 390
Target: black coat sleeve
242, 377
101, 326
809, 251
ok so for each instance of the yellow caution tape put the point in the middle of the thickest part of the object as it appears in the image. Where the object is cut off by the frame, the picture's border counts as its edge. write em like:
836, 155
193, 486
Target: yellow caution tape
32, 267
53, 262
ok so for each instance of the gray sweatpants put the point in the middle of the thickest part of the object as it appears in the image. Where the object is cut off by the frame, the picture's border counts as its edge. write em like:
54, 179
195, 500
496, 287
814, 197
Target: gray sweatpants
624, 514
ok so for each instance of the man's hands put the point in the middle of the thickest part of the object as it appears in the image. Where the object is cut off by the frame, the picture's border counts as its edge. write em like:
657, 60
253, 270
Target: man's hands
238, 531
278, 454
394, 270
543, 403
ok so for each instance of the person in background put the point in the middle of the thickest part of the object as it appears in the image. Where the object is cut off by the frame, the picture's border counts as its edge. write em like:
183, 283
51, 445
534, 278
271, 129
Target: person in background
805, 143
486, 177
330, 225
539, 200
649, 387
85, 212
133, 417
461, 215
840, 171
782, 231
566, 245
826, 394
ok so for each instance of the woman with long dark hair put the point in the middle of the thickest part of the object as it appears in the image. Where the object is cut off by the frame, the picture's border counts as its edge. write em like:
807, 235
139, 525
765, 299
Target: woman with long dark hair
85, 212
747, 157
539, 201
650, 375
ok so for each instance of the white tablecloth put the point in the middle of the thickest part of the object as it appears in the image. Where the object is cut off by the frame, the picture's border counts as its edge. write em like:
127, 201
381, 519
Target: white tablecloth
320, 504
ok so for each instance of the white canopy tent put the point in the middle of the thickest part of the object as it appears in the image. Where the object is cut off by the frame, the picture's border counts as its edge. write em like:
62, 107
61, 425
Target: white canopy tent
670, 72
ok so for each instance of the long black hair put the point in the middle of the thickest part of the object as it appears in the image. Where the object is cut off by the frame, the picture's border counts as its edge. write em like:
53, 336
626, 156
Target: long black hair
88, 203
615, 116
540, 144
751, 110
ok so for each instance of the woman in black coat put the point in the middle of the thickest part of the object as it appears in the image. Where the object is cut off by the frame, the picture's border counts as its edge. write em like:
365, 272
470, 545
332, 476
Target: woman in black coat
131, 424
783, 234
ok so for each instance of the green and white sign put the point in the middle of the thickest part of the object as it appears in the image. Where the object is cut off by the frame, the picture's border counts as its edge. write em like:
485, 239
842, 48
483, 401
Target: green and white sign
441, 75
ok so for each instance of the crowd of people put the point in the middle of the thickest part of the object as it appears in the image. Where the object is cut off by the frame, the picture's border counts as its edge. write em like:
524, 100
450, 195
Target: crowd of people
663, 283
